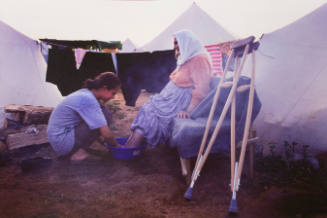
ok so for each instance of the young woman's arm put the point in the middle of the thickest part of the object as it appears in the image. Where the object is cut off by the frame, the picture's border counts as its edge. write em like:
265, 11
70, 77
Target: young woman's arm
108, 136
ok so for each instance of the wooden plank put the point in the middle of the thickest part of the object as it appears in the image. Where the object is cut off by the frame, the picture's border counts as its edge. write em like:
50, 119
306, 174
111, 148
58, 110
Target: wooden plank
18, 116
28, 114
11, 108
7, 131
29, 135
36, 117
12, 124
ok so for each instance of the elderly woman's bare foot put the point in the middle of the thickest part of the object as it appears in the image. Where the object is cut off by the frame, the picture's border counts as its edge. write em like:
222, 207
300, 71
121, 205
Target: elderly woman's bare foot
135, 139
80, 154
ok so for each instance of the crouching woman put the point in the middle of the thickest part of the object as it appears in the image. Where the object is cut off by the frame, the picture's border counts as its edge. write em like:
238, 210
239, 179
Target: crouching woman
81, 117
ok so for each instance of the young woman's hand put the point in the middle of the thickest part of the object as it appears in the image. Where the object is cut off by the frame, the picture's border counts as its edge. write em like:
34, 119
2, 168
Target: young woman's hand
184, 115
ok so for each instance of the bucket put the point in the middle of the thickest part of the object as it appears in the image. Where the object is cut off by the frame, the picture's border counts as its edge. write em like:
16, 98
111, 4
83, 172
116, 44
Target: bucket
125, 153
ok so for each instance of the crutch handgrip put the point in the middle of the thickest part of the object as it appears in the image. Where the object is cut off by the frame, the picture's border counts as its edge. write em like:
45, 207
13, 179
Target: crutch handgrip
243, 88
227, 84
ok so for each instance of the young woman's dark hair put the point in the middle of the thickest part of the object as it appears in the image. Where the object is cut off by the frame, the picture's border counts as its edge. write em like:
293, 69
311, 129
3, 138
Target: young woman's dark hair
108, 79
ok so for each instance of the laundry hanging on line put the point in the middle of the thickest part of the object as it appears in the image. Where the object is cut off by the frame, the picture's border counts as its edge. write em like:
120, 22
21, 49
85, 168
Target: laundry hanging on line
145, 70
216, 59
79, 55
62, 69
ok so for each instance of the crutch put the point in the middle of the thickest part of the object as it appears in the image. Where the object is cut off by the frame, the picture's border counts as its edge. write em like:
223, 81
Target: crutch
203, 156
238, 166
233, 133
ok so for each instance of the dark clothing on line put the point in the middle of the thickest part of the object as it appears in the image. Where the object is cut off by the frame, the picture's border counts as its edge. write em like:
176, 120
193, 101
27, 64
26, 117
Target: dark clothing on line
62, 68
149, 71
95, 63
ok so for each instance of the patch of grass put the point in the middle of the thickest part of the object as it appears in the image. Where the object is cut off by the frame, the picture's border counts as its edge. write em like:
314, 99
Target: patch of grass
305, 187
284, 169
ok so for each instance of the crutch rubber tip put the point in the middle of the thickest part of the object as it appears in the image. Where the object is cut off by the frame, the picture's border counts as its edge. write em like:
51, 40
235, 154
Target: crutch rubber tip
233, 206
188, 193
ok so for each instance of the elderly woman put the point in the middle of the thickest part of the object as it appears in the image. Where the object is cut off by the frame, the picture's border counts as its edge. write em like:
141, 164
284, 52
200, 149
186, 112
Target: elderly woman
188, 85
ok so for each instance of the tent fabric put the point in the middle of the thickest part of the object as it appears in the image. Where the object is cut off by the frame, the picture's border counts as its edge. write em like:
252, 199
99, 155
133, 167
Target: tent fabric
196, 20
291, 83
128, 46
187, 133
23, 71
86, 44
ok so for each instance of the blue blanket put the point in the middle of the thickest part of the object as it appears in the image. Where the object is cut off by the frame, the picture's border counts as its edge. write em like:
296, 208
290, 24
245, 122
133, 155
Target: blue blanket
187, 133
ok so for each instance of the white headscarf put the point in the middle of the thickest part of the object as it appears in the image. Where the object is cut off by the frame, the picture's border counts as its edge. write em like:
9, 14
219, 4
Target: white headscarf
189, 46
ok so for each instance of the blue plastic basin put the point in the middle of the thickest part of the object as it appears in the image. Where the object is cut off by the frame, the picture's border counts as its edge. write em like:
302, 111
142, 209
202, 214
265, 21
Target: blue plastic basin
125, 153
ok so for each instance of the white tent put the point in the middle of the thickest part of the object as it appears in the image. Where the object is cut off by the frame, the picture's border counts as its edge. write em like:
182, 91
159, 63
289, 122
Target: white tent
23, 71
196, 20
128, 46
291, 78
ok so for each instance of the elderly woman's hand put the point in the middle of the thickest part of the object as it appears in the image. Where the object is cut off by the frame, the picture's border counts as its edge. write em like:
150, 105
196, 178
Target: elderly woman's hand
184, 115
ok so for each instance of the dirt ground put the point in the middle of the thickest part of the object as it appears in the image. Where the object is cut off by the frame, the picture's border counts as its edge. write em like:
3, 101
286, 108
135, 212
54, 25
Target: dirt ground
150, 186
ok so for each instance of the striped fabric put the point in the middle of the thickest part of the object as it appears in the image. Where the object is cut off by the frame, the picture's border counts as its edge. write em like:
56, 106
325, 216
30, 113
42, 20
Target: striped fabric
216, 59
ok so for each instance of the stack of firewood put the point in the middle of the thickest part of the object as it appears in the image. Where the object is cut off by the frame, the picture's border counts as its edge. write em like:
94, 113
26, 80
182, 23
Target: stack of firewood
26, 127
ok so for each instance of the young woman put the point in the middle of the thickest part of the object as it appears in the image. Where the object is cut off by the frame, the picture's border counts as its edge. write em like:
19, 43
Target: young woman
81, 117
